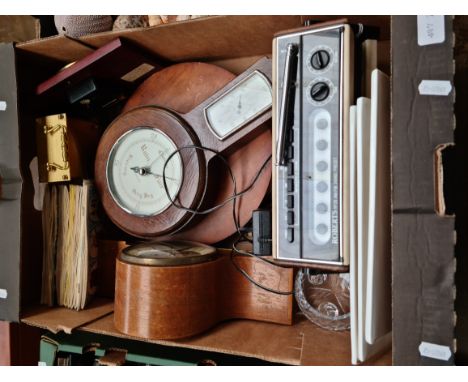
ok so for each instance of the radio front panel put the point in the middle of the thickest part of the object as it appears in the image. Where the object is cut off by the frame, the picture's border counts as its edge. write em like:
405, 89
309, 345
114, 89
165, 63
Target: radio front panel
312, 78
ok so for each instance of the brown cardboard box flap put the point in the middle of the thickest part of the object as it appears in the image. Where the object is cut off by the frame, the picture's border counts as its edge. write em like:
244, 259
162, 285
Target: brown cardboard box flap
423, 302
207, 37
423, 262
63, 319
270, 342
420, 123
300, 344
18, 28
10, 210
212, 37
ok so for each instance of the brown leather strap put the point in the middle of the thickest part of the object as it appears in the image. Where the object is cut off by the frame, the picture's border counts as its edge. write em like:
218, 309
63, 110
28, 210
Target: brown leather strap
113, 357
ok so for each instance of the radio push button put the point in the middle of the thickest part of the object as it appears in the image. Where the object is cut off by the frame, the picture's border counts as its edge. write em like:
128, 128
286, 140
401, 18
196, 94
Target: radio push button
290, 234
290, 202
290, 168
290, 218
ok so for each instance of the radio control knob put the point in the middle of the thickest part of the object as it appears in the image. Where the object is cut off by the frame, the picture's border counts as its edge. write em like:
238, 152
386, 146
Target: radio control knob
319, 91
320, 59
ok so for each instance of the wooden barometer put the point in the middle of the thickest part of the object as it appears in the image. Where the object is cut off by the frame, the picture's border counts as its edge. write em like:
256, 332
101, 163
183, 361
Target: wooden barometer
156, 156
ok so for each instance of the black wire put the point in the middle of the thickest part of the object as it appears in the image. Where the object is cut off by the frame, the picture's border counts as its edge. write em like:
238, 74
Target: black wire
245, 253
222, 204
242, 237
196, 212
235, 252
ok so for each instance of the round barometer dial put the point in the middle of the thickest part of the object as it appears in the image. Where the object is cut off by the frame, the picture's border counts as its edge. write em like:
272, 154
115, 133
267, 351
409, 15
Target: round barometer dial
135, 171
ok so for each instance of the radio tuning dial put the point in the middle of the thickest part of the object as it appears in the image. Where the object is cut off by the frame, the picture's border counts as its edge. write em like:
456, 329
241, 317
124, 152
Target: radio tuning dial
320, 59
319, 91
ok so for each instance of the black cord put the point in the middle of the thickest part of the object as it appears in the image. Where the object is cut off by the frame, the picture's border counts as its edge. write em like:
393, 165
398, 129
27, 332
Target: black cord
226, 201
242, 237
236, 252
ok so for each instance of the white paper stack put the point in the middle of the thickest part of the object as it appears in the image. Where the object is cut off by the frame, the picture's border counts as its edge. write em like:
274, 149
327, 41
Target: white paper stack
370, 260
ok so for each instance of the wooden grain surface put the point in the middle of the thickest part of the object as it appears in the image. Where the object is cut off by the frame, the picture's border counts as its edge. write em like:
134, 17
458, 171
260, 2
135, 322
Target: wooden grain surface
181, 88
19, 344
180, 301
5, 354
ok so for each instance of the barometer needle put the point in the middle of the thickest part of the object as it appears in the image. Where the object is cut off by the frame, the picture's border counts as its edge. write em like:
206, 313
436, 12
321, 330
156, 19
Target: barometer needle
160, 176
140, 170
147, 171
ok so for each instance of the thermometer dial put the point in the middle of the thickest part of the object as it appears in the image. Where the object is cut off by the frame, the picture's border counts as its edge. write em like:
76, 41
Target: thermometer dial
240, 105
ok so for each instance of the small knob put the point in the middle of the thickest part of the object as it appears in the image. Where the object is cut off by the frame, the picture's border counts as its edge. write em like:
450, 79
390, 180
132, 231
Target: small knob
319, 91
320, 59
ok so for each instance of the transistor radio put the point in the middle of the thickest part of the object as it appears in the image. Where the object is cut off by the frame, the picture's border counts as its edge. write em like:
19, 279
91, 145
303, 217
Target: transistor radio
313, 82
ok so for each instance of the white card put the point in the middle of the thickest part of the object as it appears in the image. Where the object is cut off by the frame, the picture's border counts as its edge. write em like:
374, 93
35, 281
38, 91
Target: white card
352, 234
363, 109
3, 293
440, 352
435, 87
370, 330
378, 320
431, 30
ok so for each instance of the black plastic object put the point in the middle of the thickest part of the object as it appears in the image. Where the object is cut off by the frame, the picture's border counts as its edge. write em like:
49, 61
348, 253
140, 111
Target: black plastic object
261, 232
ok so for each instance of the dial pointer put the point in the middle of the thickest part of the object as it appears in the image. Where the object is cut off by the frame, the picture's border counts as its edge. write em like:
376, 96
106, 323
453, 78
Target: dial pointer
160, 176
141, 170
147, 171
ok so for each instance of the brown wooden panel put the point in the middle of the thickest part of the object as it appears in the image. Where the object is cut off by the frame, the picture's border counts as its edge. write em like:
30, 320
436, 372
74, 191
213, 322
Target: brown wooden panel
19, 344
5, 354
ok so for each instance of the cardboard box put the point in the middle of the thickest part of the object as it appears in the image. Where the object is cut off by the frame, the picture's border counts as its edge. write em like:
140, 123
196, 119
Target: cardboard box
235, 42
18, 28
424, 237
